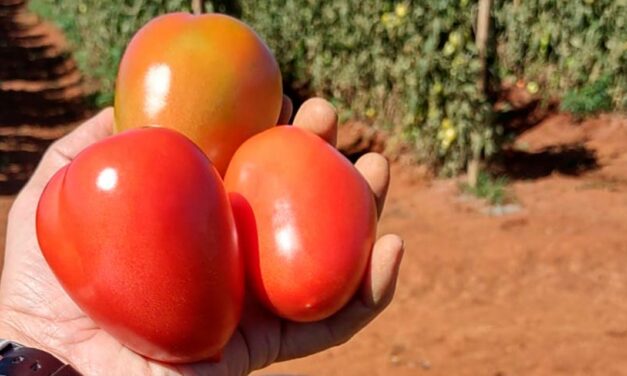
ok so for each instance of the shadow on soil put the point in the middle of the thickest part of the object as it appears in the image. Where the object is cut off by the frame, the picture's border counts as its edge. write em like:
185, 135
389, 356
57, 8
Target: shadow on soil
570, 160
518, 111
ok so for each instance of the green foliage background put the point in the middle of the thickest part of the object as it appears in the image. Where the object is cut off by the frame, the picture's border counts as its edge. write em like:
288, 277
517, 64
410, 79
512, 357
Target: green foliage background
409, 66
565, 44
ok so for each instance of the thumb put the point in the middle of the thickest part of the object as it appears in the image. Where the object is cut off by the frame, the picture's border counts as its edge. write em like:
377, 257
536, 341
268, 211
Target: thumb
62, 151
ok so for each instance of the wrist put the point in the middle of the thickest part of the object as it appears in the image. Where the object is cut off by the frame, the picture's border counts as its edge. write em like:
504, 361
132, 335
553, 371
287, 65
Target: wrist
19, 360
15, 329
9, 331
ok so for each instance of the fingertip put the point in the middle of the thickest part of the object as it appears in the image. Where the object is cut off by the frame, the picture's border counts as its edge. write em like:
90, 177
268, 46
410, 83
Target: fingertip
320, 117
108, 111
380, 280
395, 246
375, 168
391, 248
105, 120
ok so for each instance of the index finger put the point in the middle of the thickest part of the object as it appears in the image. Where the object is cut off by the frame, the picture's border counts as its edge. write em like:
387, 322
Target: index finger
320, 117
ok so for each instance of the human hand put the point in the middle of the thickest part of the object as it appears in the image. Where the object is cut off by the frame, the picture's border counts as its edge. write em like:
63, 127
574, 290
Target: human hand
35, 311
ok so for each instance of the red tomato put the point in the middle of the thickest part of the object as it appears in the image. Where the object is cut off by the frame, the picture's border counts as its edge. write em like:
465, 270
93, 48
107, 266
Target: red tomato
306, 219
140, 233
209, 77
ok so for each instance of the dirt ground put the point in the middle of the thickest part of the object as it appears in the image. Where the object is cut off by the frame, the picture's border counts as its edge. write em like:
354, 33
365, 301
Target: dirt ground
537, 292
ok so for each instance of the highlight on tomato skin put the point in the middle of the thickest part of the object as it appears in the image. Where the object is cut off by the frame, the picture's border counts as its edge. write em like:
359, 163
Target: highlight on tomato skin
314, 218
139, 231
210, 77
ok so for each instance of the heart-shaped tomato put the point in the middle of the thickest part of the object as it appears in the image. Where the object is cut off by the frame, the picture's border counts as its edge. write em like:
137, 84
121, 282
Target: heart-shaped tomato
209, 77
307, 222
140, 233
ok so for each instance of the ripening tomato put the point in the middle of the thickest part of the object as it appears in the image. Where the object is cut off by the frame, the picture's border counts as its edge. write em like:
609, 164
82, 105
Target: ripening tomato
140, 233
306, 220
209, 77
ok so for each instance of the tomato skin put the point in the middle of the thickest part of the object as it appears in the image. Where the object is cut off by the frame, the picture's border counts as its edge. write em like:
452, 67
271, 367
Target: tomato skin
139, 231
306, 219
209, 77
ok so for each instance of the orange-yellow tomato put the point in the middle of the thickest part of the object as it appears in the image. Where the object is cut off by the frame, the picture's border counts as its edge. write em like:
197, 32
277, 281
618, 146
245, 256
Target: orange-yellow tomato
209, 77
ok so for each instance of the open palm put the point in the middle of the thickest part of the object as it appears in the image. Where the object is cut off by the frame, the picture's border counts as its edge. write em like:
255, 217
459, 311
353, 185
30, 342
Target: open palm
36, 311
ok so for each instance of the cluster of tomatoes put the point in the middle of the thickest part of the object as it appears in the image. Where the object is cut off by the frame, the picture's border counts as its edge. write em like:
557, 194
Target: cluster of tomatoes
155, 231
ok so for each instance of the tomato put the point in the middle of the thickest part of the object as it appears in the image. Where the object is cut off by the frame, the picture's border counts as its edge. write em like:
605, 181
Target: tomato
140, 233
306, 219
209, 77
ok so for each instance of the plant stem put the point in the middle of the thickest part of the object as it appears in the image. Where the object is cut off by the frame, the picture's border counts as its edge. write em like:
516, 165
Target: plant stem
198, 6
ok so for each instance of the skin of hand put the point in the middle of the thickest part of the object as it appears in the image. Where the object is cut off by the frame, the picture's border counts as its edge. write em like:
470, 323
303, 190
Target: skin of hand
35, 311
